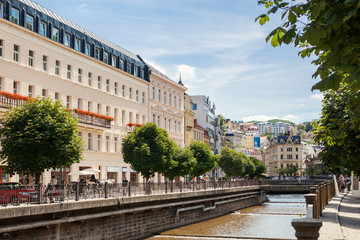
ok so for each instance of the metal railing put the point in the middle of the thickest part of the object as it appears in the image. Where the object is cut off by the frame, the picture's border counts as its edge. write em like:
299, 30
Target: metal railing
92, 120
39, 194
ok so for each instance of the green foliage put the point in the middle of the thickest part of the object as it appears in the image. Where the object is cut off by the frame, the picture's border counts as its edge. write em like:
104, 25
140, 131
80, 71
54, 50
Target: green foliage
260, 168
338, 130
149, 150
308, 126
37, 136
204, 158
301, 127
312, 171
329, 30
231, 162
184, 164
288, 171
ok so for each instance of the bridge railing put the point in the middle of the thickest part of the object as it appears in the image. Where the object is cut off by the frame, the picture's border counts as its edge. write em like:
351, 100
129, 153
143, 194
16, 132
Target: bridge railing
36, 194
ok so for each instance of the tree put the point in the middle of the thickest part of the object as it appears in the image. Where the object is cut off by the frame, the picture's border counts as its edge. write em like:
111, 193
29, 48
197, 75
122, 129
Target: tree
203, 156
338, 130
184, 163
260, 168
326, 29
149, 150
231, 162
39, 135
301, 126
249, 165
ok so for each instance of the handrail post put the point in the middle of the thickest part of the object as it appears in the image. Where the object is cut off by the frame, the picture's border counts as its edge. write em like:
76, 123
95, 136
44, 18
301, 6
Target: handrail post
180, 186
129, 188
77, 192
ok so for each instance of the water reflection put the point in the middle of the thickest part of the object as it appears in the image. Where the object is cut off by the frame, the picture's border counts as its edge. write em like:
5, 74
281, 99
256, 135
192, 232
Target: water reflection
271, 220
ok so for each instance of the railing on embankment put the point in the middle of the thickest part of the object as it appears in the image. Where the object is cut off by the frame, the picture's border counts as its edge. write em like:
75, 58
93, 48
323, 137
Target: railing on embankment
133, 217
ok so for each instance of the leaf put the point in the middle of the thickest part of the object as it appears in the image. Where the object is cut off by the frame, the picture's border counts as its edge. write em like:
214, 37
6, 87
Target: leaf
350, 14
263, 20
275, 39
292, 17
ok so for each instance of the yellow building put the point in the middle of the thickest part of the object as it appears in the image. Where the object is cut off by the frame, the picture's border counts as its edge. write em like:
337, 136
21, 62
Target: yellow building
188, 120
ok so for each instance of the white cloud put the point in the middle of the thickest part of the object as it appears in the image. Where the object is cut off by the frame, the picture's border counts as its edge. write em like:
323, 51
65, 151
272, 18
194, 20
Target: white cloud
258, 118
302, 105
317, 96
291, 117
186, 71
156, 66
83, 7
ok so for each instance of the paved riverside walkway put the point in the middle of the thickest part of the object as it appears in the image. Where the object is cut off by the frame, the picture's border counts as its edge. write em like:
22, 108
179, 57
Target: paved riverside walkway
341, 218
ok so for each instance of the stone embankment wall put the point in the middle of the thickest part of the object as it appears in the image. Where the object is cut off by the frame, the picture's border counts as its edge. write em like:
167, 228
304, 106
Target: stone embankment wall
122, 218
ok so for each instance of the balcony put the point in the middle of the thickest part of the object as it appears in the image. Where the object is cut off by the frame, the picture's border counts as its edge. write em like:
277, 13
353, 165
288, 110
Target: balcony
90, 118
9, 102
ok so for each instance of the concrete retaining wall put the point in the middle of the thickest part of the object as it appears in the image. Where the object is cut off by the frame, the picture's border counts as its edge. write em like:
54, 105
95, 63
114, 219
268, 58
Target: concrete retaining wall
122, 218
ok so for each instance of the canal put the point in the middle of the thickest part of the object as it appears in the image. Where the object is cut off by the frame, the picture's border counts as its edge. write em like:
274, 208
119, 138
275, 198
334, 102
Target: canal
271, 220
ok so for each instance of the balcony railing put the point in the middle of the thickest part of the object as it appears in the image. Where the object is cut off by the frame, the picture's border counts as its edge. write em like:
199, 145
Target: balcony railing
92, 120
9, 102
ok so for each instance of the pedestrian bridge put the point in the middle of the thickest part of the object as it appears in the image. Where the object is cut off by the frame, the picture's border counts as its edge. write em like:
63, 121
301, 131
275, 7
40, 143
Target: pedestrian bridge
289, 186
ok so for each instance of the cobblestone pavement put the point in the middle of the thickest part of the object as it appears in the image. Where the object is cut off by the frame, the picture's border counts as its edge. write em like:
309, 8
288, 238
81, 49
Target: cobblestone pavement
341, 218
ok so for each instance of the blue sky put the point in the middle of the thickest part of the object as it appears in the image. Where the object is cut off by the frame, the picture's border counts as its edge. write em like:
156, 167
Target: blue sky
216, 45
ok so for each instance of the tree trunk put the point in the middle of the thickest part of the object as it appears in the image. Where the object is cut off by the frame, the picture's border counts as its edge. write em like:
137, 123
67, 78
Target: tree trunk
37, 178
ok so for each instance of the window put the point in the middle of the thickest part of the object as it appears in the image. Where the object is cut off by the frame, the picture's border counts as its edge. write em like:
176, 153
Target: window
137, 95
289, 156
45, 62
67, 39
44, 93
107, 111
281, 156
130, 93
130, 117
123, 115
57, 67
1, 9
194, 107
68, 75
79, 103
99, 82
123, 90
165, 97
99, 142
89, 108
79, 75
107, 85
169, 124
153, 118
143, 119
113, 62
89, 78
142, 74
158, 123
165, 123
121, 64
42, 29
14, 16
180, 103
128, 67
289, 149
89, 143
170, 98
55, 34
135, 71
97, 54
57, 96
107, 143
143, 98
87, 49
1, 84
98, 110
175, 101
153, 93
297, 149
159, 95
16, 87
77, 46
31, 91
68, 102
115, 114
115, 88
137, 118
1, 47
297, 156
281, 149
31, 58
116, 144
105, 57
16, 53
29, 22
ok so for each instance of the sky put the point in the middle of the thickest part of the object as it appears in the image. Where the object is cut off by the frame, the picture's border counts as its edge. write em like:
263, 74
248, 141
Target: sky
217, 47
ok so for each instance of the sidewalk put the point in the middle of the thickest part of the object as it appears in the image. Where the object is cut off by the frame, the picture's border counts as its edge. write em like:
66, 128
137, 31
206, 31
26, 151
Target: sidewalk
341, 218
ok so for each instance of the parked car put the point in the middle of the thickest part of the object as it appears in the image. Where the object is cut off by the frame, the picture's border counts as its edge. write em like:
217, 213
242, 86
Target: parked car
14, 192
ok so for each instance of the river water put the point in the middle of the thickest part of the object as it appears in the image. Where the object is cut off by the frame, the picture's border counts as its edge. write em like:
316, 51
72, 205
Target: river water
271, 220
